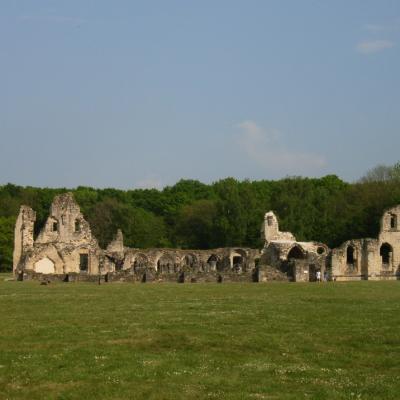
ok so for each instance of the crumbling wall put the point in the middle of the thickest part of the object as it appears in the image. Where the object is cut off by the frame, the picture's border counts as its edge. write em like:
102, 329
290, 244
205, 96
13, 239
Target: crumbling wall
348, 261
66, 241
65, 223
371, 259
174, 265
23, 235
270, 229
298, 261
387, 259
65, 248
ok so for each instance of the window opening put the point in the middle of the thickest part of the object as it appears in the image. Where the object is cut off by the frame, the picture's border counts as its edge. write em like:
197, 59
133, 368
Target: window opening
77, 225
393, 222
385, 253
350, 255
83, 262
55, 226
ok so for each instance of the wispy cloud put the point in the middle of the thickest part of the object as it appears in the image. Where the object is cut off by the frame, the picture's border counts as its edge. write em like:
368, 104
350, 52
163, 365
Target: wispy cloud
393, 25
374, 46
267, 150
58, 19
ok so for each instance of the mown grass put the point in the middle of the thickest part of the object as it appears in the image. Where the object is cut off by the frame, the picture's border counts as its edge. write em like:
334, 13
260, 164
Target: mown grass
200, 341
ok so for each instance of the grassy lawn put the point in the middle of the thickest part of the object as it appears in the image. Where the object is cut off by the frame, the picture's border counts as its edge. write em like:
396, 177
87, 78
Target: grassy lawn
200, 341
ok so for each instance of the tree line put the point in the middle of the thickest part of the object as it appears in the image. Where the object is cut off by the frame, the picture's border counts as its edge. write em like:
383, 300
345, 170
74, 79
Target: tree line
191, 214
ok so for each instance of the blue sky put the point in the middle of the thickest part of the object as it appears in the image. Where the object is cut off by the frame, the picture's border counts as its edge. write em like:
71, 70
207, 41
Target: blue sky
143, 93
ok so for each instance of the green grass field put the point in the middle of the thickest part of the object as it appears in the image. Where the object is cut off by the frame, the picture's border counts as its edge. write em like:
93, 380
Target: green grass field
200, 341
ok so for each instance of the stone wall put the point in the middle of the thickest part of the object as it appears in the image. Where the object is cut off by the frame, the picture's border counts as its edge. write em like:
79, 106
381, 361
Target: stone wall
297, 261
65, 249
23, 236
371, 259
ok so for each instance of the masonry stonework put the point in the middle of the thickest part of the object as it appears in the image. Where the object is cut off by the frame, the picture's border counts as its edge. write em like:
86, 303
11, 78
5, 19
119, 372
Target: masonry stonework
65, 249
372, 259
297, 261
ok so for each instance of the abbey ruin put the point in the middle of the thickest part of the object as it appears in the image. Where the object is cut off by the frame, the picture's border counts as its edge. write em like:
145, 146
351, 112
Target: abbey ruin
66, 250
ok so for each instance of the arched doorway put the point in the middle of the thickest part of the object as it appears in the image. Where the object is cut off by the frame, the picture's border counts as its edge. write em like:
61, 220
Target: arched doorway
140, 263
238, 260
294, 260
296, 253
165, 264
189, 261
212, 262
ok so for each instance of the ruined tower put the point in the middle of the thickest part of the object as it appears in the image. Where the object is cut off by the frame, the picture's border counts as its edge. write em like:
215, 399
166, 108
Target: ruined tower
270, 229
23, 234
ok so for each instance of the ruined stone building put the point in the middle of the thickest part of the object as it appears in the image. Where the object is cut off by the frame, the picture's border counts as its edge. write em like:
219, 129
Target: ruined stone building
371, 258
65, 249
296, 261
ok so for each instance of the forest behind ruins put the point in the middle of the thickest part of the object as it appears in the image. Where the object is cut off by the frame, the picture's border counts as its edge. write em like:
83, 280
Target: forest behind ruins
191, 214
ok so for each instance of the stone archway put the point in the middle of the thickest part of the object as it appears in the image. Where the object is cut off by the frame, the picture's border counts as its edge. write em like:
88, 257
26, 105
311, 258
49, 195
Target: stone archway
139, 262
212, 262
189, 260
296, 253
238, 260
44, 266
165, 264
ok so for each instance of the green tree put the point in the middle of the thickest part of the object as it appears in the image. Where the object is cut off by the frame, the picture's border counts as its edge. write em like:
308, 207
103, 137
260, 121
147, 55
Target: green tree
6, 242
230, 221
195, 225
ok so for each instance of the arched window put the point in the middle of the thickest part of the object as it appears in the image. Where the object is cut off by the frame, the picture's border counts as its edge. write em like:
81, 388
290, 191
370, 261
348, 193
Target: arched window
386, 253
296, 253
350, 255
393, 221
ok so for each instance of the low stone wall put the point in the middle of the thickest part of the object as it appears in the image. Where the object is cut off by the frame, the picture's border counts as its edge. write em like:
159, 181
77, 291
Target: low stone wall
146, 277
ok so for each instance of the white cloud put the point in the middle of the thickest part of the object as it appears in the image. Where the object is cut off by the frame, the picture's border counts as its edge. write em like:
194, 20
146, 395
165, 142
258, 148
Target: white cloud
267, 150
374, 46
393, 25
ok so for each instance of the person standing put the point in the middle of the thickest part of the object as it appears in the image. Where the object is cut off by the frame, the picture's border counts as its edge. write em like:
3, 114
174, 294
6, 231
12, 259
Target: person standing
318, 276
